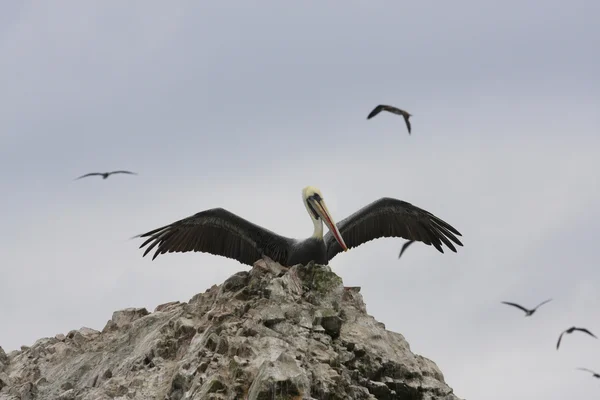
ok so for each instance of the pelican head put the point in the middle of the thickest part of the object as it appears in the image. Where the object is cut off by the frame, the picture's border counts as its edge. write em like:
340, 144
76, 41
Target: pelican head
315, 205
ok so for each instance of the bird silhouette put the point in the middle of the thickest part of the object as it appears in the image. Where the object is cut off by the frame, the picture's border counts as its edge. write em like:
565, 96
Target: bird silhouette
394, 110
405, 246
571, 330
527, 312
594, 374
105, 175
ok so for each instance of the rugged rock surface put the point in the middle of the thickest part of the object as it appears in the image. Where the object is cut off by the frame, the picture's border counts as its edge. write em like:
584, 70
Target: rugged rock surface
269, 333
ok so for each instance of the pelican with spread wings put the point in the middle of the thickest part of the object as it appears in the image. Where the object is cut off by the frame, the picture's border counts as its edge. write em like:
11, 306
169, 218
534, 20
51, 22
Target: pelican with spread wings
223, 233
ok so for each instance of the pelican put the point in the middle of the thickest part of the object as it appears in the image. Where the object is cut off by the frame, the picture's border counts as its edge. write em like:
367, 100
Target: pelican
223, 233
105, 175
394, 110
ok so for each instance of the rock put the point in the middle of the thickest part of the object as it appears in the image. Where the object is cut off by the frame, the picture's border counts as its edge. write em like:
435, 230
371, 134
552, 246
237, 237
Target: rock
271, 332
4, 381
88, 332
235, 282
124, 317
282, 378
165, 306
272, 315
3, 358
330, 321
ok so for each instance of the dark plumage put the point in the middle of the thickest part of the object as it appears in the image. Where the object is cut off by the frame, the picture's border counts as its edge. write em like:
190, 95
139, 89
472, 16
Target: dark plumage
388, 217
527, 312
105, 175
594, 374
394, 110
405, 246
571, 330
221, 232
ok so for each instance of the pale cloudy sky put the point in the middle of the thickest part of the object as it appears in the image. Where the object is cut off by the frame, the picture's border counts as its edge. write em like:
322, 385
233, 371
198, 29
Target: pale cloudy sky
242, 104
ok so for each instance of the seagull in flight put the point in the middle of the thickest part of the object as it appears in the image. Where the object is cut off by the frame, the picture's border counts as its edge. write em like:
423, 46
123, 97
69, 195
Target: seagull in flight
394, 110
571, 330
527, 312
405, 246
105, 175
595, 374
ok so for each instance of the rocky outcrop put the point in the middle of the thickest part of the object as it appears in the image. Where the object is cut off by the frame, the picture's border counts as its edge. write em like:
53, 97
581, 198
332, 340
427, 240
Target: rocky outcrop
267, 333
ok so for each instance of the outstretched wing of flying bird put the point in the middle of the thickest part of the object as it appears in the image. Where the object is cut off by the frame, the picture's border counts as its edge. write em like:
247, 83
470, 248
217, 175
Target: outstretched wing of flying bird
405, 246
586, 331
376, 111
393, 110
219, 232
541, 304
383, 107
559, 339
389, 217
123, 172
407, 124
90, 174
588, 370
515, 305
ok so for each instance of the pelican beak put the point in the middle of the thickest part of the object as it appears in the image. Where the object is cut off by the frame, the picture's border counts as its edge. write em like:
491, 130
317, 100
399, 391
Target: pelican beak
321, 209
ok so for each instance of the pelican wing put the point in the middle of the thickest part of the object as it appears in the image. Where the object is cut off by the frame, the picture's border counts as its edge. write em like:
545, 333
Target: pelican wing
389, 217
219, 232
515, 305
90, 174
405, 246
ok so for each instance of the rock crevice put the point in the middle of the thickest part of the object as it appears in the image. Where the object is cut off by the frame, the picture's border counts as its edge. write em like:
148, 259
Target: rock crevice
268, 333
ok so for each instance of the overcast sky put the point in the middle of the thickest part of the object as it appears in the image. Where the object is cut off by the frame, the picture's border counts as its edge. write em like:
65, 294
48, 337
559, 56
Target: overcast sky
242, 104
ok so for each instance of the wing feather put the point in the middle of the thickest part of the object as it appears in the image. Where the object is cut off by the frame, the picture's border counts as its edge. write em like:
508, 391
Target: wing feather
515, 305
542, 303
559, 339
388, 217
90, 174
407, 123
588, 370
375, 111
219, 232
586, 331
404, 247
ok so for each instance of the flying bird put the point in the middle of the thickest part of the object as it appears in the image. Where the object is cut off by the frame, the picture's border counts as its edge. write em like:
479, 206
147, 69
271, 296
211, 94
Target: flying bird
405, 246
527, 312
571, 330
394, 110
105, 175
223, 233
594, 374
